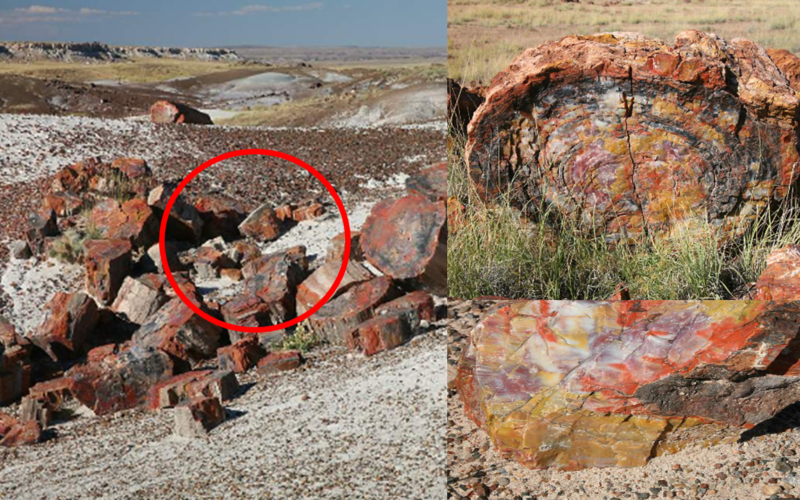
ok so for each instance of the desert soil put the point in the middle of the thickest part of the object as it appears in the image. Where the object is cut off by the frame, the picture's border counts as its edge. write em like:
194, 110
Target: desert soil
762, 463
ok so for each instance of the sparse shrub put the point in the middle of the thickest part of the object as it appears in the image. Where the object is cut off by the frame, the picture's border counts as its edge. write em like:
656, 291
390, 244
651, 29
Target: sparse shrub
68, 247
303, 340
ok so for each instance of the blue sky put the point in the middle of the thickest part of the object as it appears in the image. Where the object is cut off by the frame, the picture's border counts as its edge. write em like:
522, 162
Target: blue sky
206, 23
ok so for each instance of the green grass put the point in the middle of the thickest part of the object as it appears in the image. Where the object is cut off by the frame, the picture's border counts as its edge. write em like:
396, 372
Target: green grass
303, 340
549, 256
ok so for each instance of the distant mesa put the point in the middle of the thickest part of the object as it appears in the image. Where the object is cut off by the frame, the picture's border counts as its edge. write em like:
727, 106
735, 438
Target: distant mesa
100, 52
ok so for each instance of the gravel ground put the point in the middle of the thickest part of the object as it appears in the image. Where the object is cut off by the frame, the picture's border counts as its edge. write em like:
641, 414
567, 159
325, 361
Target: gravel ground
341, 426
759, 464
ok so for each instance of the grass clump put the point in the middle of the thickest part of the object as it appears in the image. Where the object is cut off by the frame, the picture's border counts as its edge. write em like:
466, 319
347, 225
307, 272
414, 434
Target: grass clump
548, 255
68, 248
303, 339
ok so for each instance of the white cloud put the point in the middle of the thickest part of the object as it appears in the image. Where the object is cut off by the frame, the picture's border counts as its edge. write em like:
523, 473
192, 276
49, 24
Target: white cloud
39, 9
47, 14
256, 9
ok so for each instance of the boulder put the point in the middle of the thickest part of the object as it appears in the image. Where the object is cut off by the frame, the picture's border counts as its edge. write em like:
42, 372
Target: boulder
184, 223
430, 182
221, 217
107, 263
119, 381
175, 112
240, 356
262, 224
406, 239
176, 330
196, 417
68, 323
351, 308
462, 102
138, 299
321, 280
630, 136
380, 333
600, 384
780, 280
275, 362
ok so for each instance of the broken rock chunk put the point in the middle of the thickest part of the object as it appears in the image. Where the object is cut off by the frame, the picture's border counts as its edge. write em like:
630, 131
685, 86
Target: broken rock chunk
179, 332
184, 221
308, 212
62, 203
280, 361
20, 250
601, 384
340, 315
134, 220
336, 248
262, 224
69, 321
16, 433
406, 239
381, 333
119, 381
276, 283
317, 285
108, 263
138, 299
240, 356
196, 417
780, 280
221, 217
415, 307
175, 112
245, 310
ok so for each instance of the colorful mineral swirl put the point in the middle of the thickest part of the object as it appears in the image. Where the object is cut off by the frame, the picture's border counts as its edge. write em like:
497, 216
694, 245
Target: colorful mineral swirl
597, 384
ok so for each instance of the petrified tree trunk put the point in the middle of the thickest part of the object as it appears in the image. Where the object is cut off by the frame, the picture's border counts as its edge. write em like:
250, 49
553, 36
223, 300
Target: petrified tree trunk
630, 135
597, 384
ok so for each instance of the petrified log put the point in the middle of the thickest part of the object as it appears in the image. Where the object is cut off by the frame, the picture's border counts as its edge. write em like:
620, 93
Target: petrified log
597, 384
780, 280
262, 224
280, 361
221, 217
197, 416
406, 239
175, 112
381, 333
629, 135
241, 355
275, 283
138, 299
321, 280
134, 220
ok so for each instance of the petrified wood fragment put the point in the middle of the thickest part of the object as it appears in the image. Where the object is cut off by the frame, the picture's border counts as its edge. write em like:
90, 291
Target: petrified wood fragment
175, 112
780, 280
430, 182
69, 321
583, 384
321, 280
632, 136
406, 239
107, 265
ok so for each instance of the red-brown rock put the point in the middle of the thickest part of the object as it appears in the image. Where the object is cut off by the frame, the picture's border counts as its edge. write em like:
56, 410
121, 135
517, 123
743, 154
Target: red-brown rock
280, 361
69, 321
40, 227
780, 280
175, 112
245, 310
308, 212
789, 65
221, 217
16, 433
176, 330
196, 417
321, 280
381, 333
634, 137
132, 168
121, 381
134, 220
416, 306
351, 308
173, 391
184, 223
336, 248
138, 299
430, 182
240, 356
62, 203
262, 224
108, 263
406, 239
276, 284
15, 368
